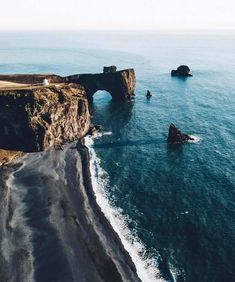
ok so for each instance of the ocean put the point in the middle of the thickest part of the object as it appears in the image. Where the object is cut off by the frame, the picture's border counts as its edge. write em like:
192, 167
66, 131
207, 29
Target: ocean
172, 206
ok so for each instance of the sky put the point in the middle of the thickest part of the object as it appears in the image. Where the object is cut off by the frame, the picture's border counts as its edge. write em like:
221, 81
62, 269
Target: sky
118, 14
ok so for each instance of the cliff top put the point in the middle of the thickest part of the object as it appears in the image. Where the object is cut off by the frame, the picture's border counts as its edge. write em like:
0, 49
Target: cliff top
8, 84
17, 89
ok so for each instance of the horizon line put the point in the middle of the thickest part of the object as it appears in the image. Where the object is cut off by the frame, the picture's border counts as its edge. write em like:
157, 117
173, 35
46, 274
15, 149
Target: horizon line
118, 30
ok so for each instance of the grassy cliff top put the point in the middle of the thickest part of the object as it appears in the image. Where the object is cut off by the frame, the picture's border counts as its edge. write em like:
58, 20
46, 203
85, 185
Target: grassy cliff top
16, 90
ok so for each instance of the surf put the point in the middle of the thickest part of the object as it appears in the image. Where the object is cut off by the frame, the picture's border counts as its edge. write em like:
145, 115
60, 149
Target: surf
147, 267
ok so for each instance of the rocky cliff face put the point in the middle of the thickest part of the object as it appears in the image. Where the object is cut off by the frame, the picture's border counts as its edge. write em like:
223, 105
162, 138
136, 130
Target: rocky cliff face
34, 119
35, 116
120, 84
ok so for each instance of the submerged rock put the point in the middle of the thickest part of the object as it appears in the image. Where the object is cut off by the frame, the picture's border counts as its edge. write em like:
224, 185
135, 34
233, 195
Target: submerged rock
176, 136
182, 71
38, 118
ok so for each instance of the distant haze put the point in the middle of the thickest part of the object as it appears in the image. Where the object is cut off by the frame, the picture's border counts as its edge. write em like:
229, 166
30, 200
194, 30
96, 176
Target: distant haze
118, 14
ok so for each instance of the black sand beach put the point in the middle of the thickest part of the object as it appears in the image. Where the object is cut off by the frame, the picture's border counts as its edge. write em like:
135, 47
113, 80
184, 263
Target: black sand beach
51, 226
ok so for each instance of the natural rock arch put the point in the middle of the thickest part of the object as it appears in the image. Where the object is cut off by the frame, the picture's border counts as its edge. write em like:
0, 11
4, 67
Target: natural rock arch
120, 84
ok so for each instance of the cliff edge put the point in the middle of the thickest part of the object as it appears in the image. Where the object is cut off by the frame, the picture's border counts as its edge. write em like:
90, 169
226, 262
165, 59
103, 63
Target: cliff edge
37, 118
40, 111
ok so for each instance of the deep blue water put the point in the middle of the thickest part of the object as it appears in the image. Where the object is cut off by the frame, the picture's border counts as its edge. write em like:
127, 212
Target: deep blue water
180, 200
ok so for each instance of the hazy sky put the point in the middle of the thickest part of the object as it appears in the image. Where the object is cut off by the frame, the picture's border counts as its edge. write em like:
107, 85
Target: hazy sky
117, 14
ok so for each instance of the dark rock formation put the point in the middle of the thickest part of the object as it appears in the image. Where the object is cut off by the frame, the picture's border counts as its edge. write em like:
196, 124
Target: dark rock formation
176, 136
182, 71
40, 111
120, 84
109, 69
149, 94
93, 129
37, 118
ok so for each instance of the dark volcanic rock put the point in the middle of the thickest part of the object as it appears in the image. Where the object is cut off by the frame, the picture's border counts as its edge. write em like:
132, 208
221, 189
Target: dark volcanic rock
176, 136
109, 69
37, 118
93, 129
120, 84
149, 94
182, 71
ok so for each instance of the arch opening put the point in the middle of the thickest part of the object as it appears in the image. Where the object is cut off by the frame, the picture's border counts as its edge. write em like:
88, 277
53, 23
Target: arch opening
101, 97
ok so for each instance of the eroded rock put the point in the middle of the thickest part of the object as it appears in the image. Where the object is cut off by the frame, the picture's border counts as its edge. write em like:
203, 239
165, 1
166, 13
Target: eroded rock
182, 71
120, 84
176, 136
35, 119
109, 69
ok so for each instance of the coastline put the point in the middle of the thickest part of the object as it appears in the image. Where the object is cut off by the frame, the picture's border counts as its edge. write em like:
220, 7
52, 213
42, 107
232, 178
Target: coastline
118, 255
67, 222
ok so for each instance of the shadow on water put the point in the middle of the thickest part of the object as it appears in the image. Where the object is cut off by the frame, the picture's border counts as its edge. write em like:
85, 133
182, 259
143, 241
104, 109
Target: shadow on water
110, 113
180, 78
175, 148
128, 143
171, 148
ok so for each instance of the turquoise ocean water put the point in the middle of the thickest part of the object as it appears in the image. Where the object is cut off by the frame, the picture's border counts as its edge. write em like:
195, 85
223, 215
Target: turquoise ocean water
179, 201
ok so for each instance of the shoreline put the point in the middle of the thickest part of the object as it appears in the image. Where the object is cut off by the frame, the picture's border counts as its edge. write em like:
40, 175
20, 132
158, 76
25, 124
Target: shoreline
128, 267
66, 221
146, 267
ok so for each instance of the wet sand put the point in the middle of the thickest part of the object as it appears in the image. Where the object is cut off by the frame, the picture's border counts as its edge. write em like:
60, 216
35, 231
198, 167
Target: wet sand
51, 226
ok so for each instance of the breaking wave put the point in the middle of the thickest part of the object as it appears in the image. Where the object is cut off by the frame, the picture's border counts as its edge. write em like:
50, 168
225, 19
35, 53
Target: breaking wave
147, 268
196, 138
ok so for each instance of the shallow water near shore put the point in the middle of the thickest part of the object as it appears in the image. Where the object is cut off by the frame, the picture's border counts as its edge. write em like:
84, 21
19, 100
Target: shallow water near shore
178, 201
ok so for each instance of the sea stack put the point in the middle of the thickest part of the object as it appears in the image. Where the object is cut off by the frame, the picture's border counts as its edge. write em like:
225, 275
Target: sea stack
182, 71
176, 136
149, 94
109, 69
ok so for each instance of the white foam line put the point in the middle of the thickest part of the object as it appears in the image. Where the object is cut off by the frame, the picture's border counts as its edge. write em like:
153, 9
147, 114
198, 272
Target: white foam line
196, 139
146, 267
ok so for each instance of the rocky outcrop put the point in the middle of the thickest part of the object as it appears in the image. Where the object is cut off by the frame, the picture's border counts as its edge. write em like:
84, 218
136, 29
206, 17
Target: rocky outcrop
176, 136
182, 71
37, 118
109, 69
120, 84
40, 111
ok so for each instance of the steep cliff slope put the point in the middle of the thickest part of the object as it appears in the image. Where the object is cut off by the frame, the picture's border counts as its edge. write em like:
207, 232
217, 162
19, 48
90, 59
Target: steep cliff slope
37, 118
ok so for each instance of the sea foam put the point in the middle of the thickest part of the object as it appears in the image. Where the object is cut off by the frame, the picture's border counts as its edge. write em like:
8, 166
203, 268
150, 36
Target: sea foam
196, 139
146, 266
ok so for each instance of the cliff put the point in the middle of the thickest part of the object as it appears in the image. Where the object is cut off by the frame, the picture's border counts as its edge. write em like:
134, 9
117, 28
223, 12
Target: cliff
37, 118
120, 84
40, 111
30, 78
